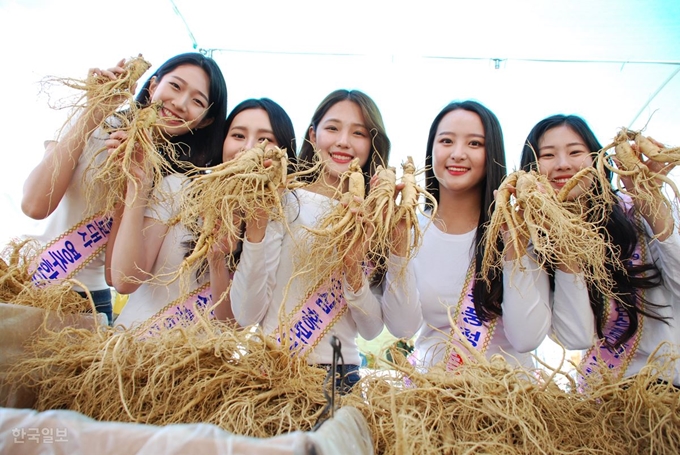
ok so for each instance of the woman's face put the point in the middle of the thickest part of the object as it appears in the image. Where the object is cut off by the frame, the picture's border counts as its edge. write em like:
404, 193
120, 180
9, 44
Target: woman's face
184, 93
341, 136
459, 152
561, 154
249, 128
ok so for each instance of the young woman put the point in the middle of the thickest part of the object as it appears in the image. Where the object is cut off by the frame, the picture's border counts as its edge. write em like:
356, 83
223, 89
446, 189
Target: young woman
146, 250
55, 189
266, 289
250, 123
465, 164
255, 120
625, 332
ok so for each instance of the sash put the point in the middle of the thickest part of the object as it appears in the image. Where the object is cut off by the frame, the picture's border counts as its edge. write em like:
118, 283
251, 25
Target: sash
616, 322
181, 312
477, 333
311, 320
65, 256
314, 317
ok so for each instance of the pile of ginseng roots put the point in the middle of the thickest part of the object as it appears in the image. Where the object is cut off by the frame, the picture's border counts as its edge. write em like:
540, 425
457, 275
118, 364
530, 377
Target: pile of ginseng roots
487, 406
239, 380
247, 384
18, 262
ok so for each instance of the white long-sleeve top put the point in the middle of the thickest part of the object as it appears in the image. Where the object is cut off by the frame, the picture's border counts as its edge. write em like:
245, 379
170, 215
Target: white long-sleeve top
260, 286
571, 307
573, 320
433, 282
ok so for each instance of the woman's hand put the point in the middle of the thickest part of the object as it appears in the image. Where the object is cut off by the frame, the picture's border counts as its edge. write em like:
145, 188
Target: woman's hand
511, 254
257, 226
226, 243
106, 105
115, 140
657, 212
109, 74
116, 144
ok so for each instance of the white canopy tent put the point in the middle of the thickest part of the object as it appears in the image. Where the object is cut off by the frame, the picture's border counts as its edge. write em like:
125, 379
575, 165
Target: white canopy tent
613, 62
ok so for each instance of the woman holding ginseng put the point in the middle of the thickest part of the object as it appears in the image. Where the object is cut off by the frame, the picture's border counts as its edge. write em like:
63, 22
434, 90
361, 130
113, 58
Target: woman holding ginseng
302, 295
253, 124
620, 329
441, 295
63, 187
189, 96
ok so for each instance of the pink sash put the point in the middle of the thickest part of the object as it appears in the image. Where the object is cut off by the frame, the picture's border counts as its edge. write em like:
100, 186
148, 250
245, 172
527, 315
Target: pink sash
617, 321
314, 317
66, 255
477, 333
182, 312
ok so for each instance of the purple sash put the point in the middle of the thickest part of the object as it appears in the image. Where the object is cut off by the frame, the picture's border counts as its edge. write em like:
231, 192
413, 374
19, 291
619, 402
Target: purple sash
616, 322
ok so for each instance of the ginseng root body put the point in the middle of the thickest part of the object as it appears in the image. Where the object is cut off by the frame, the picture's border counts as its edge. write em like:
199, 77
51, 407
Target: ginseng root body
144, 151
642, 164
533, 213
217, 202
408, 208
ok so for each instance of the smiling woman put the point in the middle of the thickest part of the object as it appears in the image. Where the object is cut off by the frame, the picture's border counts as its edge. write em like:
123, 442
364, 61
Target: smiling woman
446, 299
272, 288
561, 154
145, 245
624, 327
604, 72
64, 190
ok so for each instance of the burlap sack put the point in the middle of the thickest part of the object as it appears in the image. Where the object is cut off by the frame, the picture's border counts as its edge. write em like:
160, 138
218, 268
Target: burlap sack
18, 323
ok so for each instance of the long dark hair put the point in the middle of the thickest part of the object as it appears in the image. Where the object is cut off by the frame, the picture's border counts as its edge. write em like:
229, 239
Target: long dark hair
200, 147
619, 227
380, 148
379, 152
282, 126
487, 299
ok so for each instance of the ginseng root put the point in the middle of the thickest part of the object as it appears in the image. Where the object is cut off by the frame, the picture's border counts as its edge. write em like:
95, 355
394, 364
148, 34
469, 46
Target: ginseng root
645, 185
216, 203
381, 209
559, 237
102, 93
409, 207
648, 148
338, 231
145, 150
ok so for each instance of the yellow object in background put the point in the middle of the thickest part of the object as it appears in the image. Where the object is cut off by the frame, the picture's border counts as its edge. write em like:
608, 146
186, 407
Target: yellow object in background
119, 301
